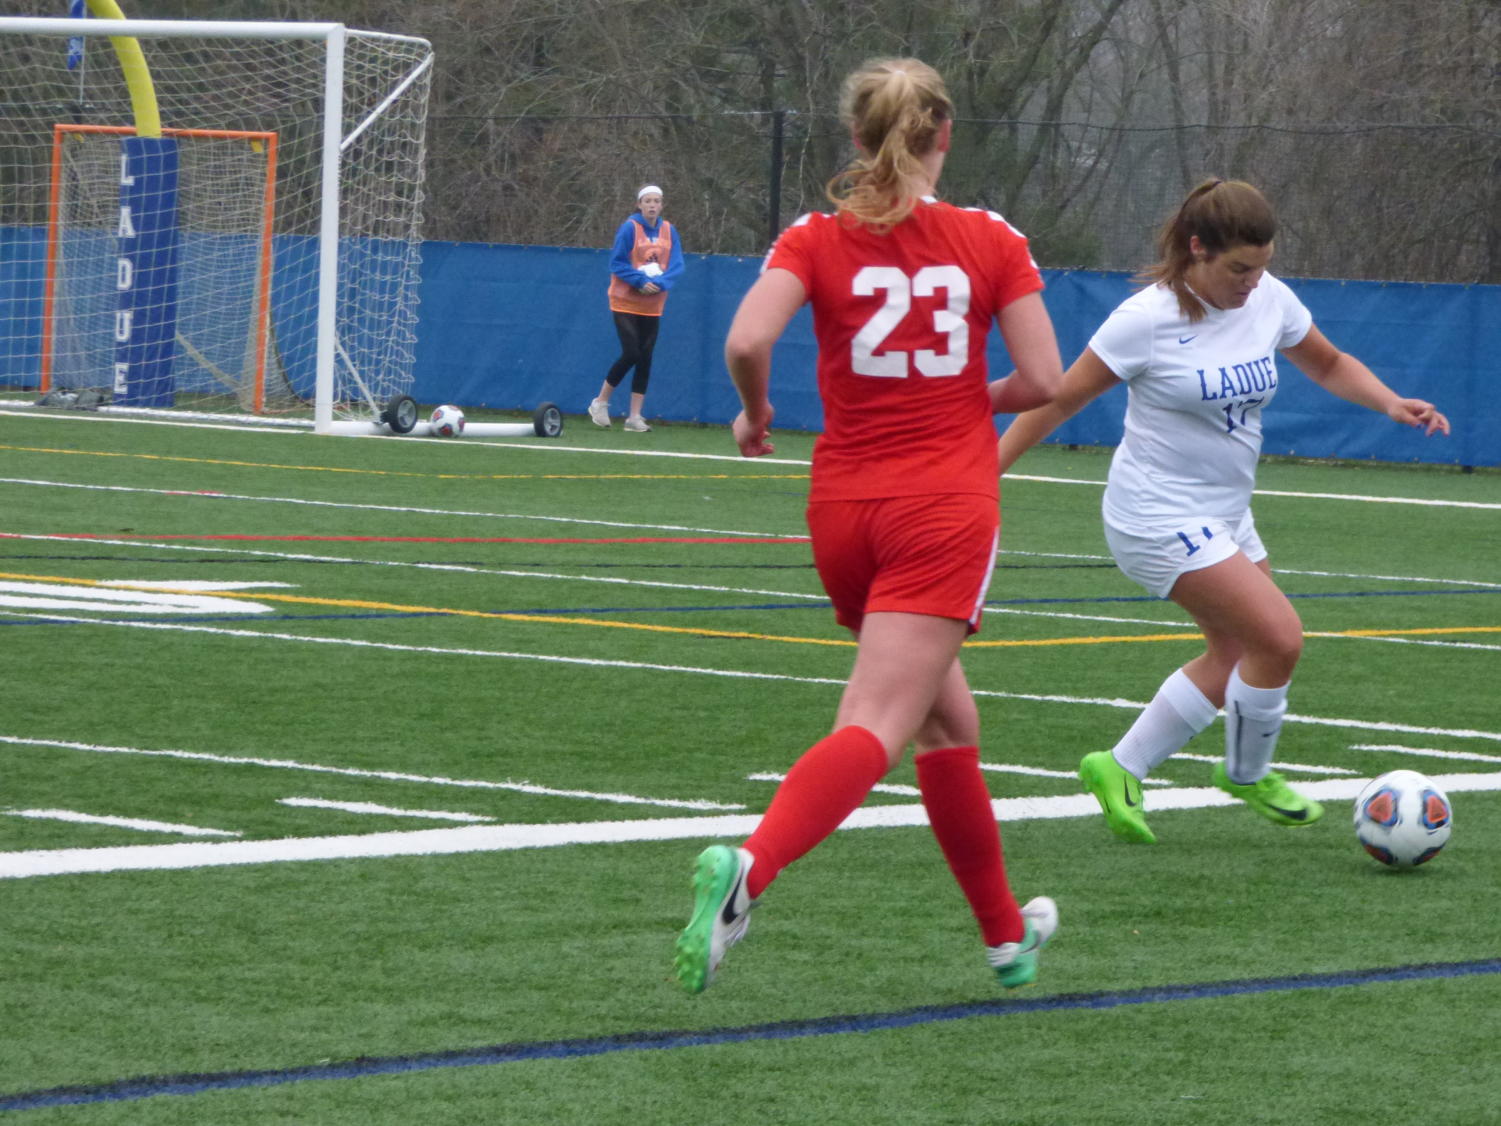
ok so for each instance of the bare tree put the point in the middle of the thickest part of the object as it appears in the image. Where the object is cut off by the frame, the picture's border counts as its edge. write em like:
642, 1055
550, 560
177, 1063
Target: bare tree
1375, 127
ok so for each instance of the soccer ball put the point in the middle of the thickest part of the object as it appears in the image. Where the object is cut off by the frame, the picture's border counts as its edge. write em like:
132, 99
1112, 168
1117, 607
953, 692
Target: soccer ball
1403, 819
446, 422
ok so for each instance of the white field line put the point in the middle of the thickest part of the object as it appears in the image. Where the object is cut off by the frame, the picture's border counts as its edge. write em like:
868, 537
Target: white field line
1426, 752
28, 411
469, 441
895, 788
117, 822
1295, 767
1358, 497
566, 520
100, 597
636, 526
1290, 717
453, 568
463, 568
1387, 578
995, 767
735, 674
383, 810
460, 568
529, 446
1362, 499
197, 495
382, 775
1038, 772
1174, 623
1426, 641
639, 527
500, 838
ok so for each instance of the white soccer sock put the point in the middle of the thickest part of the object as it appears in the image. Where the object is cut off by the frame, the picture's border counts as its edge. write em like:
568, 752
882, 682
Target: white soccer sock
1176, 714
1253, 720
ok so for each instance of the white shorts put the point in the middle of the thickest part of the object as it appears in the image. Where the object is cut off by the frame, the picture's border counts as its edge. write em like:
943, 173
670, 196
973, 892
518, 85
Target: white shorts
1154, 554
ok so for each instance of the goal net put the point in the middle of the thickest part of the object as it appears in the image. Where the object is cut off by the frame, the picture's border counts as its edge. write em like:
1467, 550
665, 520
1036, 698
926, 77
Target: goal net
211, 217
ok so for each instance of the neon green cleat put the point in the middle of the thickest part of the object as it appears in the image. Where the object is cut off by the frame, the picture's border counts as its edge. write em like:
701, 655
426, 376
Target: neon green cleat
1271, 797
721, 912
1015, 963
1119, 793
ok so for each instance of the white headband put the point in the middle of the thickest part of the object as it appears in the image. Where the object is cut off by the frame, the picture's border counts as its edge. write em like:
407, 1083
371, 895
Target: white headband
647, 190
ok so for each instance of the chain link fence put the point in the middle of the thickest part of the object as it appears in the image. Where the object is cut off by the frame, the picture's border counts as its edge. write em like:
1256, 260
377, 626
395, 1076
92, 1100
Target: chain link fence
1412, 203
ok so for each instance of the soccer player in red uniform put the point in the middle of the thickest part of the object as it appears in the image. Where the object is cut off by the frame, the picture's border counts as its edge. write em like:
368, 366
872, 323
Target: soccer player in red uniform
903, 508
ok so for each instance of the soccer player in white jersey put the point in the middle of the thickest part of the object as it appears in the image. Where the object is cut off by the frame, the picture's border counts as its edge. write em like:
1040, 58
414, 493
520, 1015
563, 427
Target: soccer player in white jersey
1196, 349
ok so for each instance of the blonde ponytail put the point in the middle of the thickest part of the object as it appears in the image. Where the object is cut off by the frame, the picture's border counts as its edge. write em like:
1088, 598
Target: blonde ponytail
895, 110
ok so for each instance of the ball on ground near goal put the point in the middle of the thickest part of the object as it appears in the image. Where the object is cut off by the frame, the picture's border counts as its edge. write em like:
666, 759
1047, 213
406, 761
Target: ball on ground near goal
1403, 819
446, 422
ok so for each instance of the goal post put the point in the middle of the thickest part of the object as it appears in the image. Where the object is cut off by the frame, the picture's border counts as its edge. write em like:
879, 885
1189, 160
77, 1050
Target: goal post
219, 324
255, 253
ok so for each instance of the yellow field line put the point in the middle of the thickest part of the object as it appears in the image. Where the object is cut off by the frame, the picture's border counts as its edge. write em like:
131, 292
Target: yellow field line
426, 476
404, 608
1402, 632
694, 631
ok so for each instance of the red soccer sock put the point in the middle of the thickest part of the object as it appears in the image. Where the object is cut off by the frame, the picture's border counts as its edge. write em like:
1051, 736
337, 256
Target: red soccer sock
823, 788
958, 804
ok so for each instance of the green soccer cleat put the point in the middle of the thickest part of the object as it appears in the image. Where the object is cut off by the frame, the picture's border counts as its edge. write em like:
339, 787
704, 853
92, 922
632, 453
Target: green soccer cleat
721, 912
1119, 793
1271, 797
1015, 963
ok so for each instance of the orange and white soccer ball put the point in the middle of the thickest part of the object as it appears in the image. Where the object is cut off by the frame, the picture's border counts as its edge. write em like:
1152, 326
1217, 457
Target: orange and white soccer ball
446, 422
1403, 819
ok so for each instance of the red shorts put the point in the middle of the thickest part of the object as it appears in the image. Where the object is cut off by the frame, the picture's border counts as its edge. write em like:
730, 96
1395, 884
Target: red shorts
913, 555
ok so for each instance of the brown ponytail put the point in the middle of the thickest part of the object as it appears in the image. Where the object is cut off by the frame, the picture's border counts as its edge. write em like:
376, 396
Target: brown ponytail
1223, 213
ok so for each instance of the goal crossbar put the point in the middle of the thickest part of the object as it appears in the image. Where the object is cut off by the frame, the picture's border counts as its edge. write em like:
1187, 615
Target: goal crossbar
165, 29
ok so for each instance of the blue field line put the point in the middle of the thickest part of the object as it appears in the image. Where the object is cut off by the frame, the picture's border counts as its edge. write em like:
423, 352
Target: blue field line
127, 1090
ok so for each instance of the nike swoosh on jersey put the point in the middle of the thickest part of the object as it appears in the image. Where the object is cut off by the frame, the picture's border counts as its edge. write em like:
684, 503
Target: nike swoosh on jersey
1186, 339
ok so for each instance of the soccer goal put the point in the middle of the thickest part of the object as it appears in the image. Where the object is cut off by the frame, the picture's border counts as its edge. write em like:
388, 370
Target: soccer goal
212, 217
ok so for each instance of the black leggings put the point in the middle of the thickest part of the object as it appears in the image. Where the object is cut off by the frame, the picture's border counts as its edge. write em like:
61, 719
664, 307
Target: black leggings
638, 336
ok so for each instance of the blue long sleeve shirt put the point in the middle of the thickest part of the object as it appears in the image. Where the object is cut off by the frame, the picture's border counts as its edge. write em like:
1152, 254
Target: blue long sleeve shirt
625, 242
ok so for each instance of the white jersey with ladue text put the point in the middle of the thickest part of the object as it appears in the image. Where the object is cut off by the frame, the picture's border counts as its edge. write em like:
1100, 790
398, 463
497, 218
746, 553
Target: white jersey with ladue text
1196, 393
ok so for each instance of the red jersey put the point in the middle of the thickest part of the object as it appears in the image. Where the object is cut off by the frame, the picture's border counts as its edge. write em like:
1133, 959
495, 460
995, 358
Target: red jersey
901, 321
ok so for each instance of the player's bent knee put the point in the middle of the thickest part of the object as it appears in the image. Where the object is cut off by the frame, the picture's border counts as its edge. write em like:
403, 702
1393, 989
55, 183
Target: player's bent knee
1274, 657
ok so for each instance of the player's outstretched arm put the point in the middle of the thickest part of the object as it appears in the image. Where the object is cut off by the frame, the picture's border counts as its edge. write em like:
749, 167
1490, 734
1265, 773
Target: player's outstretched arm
1342, 374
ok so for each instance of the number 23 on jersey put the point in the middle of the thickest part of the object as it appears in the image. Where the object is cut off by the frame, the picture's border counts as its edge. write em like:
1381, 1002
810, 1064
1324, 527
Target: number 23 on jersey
950, 331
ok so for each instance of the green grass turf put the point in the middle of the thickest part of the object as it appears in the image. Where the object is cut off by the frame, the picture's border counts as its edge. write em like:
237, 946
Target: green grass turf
114, 975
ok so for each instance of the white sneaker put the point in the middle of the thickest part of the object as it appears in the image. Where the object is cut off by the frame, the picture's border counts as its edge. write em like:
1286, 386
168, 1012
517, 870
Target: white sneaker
599, 413
637, 423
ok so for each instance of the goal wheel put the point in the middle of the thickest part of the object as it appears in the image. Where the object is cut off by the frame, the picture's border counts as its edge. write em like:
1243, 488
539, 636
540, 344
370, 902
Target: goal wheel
400, 414
547, 420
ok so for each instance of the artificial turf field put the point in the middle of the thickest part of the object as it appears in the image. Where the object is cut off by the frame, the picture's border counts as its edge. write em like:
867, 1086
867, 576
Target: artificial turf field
359, 780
